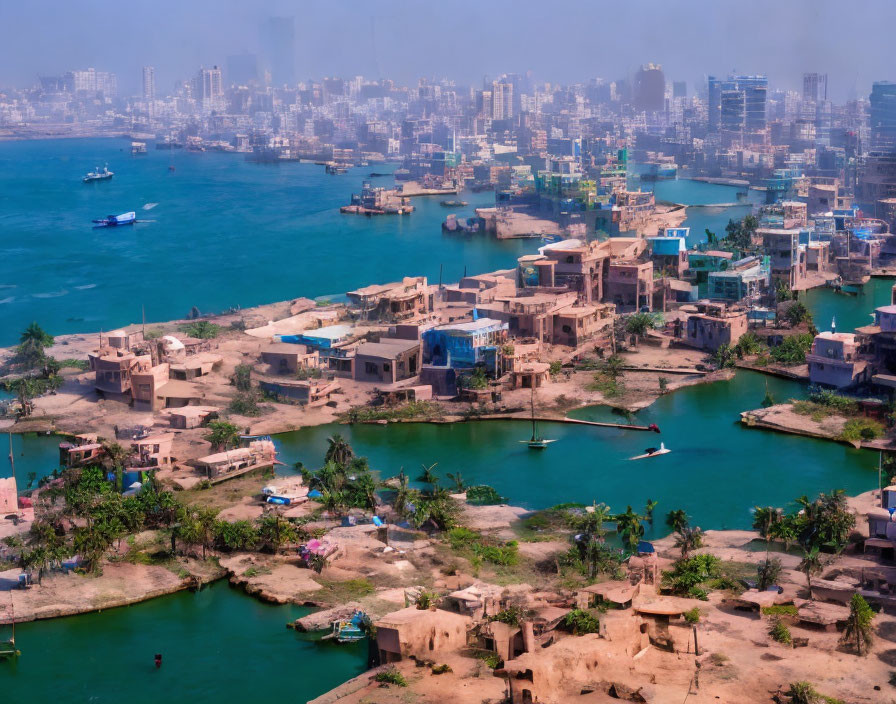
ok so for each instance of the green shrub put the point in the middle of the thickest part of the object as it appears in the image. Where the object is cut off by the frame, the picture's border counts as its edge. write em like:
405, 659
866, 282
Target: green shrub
580, 622
780, 610
391, 676
780, 633
858, 429
441, 669
201, 329
484, 495
692, 616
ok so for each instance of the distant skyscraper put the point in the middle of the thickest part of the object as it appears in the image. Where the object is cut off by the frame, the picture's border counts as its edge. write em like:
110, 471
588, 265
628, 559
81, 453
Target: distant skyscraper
208, 86
815, 86
242, 69
650, 88
882, 116
502, 100
278, 38
679, 89
737, 104
149, 84
92, 81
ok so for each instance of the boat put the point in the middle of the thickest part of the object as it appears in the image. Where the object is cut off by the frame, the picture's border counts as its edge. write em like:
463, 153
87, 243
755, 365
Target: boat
453, 203
349, 630
335, 168
138, 148
116, 220
8, 648
536, 442
98, 175
653, 452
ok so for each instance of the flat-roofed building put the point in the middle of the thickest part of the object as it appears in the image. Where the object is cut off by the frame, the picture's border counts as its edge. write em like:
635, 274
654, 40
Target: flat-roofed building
387, 361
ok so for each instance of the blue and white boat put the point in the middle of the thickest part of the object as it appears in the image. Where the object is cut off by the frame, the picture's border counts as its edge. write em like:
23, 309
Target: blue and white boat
116, 220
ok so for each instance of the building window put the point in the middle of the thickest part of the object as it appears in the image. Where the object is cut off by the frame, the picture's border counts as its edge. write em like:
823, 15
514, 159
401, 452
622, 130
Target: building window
386, 366
370, 368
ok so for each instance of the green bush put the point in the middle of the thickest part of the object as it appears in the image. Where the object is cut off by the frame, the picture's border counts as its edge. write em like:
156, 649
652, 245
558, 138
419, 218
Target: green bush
781, 633
484, 495
580, 622
441, 669
858, 429
780, 610
201, 329
391, 676
692, 616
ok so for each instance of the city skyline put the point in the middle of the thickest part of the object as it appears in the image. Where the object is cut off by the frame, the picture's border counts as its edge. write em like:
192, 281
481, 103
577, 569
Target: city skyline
347, 40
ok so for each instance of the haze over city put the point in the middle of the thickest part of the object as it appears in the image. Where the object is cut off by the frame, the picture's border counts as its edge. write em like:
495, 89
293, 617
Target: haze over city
504, 352
464, 41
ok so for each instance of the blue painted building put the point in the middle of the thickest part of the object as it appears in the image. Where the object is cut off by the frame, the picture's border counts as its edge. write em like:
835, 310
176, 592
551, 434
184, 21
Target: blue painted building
465, 345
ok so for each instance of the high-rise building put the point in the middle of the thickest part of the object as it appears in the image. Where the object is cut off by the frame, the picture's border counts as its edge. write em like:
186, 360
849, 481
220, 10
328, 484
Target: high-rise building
815, 86
92, 81
650, 88
149, 84
502, 100
882, 116
679, 89
208, 85
278, 39
755, 90
729, 112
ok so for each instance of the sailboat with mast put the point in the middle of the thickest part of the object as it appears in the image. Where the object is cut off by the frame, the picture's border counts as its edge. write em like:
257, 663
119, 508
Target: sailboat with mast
536, 442
8, 647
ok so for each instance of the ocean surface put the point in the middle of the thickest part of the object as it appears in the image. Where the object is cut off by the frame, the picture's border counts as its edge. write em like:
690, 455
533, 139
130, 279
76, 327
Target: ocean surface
218, 232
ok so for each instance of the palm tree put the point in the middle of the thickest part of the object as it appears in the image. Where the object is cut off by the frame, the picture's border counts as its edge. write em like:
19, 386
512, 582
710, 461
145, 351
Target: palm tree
811, 564
648, 510
402, 494
676, 519
458, 480
858, 626
764, 517
339, 451
428, 476
688, 539
35, 335
628, 525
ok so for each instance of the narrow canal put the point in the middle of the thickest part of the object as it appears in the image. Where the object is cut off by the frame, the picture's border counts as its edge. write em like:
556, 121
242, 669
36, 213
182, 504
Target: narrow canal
220, 646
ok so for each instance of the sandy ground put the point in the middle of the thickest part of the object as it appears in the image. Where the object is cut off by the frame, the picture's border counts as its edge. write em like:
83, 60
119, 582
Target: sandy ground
120, 584
782, 418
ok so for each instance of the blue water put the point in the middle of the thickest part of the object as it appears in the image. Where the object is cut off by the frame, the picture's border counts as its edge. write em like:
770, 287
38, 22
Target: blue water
849, 311
225, 233
717, 471
699, 193
218, 646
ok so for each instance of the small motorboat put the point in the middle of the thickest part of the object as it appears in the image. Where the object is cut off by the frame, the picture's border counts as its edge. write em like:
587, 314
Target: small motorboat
653, 452
116, 220
453, 203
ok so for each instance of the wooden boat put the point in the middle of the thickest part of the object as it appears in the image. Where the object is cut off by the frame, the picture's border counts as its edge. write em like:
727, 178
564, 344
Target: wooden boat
661, 450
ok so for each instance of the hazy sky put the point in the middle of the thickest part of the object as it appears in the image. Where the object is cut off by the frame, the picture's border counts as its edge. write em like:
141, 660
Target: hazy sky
566, 41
